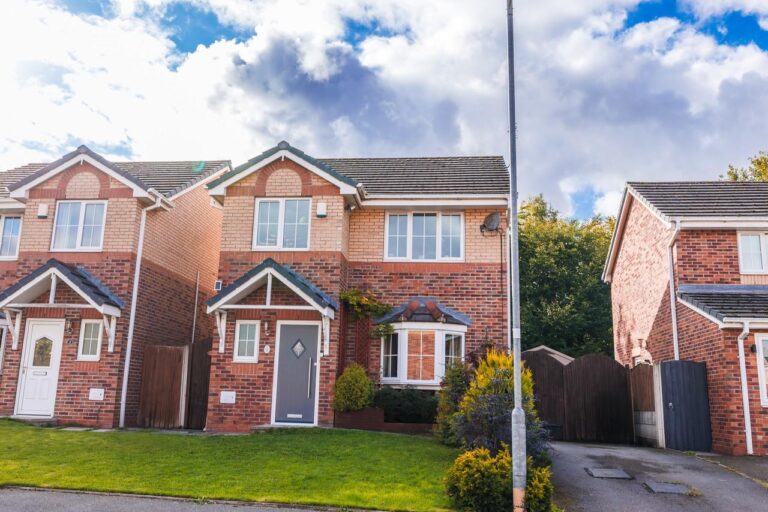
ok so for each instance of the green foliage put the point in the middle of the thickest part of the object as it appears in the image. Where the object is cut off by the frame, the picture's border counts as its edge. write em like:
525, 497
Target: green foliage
757, 170
483, 419
479, 481
363, 305
406, 405
353, 390
452, 388
564, 303
382, 330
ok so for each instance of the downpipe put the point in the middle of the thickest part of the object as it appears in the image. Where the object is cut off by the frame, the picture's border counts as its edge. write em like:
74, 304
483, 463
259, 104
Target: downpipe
745, 388
672, 297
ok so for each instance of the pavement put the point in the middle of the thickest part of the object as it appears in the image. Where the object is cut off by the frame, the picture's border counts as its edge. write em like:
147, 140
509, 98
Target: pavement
711, 486
43, 500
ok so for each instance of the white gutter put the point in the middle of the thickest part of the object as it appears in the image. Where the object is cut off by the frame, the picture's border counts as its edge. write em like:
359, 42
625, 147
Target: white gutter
744, 388
159, 203
672, 297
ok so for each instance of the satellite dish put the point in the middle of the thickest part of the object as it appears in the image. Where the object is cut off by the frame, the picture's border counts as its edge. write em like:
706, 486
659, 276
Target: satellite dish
491, 222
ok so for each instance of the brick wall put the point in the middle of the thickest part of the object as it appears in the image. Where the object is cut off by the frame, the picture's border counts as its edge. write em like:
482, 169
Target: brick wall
707, 257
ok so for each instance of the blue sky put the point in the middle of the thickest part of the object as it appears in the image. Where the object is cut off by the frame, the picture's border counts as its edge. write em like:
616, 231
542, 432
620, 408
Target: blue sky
608, 90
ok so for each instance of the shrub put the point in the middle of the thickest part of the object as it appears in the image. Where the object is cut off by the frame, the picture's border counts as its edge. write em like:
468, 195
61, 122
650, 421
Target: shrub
353, 390
452, 389
406, 405
479, 481
484, 419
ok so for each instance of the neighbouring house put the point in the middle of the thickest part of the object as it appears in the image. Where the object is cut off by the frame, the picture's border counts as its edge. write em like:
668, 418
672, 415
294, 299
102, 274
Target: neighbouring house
98, 261
298, 231
688, 269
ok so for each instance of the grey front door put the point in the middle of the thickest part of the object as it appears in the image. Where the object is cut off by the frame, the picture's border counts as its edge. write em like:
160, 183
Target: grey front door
296, 370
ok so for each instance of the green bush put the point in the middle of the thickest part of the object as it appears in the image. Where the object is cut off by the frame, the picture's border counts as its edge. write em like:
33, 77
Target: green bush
479, 481
406, 405
353, 390
452, 389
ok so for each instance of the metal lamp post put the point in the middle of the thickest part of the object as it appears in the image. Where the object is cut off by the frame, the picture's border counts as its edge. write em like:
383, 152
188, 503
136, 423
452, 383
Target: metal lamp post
513, 288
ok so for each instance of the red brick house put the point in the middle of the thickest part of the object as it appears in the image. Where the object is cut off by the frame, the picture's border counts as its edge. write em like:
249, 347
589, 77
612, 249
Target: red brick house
99, 259
688, 268
298, 231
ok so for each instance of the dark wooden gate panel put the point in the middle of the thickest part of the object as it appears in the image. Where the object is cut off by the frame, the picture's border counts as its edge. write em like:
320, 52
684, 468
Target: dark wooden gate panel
686, 406
597, 401
199, 379
548, 390
161, 385
643, 404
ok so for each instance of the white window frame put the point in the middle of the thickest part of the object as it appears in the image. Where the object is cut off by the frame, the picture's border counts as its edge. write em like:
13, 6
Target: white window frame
761, 368
100, 330
247, 359
2, 229
280, 224
409, 237
80, 223
440, 330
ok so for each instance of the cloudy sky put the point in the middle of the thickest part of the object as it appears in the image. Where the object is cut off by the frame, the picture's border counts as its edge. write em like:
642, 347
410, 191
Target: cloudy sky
608, 90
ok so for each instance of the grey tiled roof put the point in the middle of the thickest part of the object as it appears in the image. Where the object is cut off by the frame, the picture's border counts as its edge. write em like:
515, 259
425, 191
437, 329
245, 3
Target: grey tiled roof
705, 198
426, 175
424, 309
168, 178
727, 301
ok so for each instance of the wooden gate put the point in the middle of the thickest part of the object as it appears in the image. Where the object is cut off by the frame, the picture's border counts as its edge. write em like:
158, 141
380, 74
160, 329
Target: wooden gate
199, 379
162, 386
644, 405
686, 406
597, 401
548, 390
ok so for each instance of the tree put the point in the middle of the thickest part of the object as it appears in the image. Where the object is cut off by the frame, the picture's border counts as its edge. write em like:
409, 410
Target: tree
564, 303
757, 170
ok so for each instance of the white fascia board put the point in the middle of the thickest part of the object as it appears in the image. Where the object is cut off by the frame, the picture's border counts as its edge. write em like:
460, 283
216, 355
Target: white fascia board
21, 192
221, 189
432, 202
663, 218
430, 326
248, 285
207, 180
11, 205
723, 222
618, 233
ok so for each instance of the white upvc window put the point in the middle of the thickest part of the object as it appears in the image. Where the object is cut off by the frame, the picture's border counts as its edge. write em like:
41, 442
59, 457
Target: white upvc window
418, 353
89, 348
762, 367
282, 224
10, 234
79, 226
424, 236
246, 341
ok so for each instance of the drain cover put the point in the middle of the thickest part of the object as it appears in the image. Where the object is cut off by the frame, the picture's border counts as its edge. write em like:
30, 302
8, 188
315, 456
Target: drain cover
619, 474
666, 488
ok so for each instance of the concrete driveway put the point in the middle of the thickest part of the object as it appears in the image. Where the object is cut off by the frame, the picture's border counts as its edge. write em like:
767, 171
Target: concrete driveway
711, 486
36, 500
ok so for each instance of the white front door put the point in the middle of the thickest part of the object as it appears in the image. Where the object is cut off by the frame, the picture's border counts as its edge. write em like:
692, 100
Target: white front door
39, 373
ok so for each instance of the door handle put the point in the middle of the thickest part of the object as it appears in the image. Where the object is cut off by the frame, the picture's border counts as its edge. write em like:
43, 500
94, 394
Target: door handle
309, 377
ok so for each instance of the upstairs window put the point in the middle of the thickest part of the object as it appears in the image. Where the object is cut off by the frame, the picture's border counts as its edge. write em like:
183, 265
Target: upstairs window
281, 224
79, 226
752, 253
10, 230
424, 236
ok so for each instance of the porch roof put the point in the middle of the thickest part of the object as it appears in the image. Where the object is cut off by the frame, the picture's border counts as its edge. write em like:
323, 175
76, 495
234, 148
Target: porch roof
424, 309
250, 280
77, 277
727, 302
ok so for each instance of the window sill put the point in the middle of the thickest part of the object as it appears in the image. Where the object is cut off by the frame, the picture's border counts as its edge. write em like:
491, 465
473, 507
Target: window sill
245, 361
278, 249
406, 260
77, 250
87, 360
9, 258
413, 384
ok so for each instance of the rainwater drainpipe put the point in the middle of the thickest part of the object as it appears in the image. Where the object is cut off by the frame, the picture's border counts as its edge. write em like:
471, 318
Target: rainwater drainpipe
744, 388
159, 200
672, 296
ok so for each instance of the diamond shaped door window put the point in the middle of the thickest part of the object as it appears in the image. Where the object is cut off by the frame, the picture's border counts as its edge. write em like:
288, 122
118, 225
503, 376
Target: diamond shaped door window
298, 348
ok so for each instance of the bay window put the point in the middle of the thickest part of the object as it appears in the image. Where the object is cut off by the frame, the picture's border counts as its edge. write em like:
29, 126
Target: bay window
79, 226
10, 231
424, 236
752, 253
418, 354
281, 224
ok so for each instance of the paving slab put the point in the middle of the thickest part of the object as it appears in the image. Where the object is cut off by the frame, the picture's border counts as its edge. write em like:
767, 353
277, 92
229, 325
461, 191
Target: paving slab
667, 488
608, 473
76, 429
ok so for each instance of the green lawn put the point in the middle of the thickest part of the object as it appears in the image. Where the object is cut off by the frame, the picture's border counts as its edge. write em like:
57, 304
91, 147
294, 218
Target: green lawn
305, 466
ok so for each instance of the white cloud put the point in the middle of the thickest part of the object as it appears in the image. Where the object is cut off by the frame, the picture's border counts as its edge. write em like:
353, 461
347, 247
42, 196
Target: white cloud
763, 22
709, 8
598, 104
